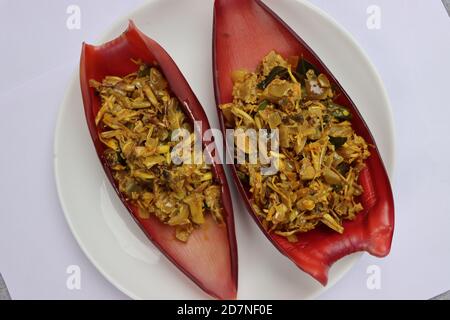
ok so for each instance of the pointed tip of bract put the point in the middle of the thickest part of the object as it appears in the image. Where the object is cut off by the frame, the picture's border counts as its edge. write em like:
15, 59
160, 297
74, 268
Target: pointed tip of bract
321, 277
85, 47
131, 26
206, 257
381, 241
228, 294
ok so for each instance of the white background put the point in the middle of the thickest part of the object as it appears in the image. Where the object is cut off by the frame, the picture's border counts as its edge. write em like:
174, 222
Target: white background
38, 56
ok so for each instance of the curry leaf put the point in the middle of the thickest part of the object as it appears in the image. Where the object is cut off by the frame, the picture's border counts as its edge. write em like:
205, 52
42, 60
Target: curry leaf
276, 71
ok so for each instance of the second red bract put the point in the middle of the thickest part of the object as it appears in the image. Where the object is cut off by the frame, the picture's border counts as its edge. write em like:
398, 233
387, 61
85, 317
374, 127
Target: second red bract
244, 32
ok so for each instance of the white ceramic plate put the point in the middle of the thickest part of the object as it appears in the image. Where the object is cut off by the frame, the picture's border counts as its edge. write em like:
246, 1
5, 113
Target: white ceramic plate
105, 230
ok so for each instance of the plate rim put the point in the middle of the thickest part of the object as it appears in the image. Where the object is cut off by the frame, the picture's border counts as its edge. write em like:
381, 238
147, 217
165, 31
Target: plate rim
74, 81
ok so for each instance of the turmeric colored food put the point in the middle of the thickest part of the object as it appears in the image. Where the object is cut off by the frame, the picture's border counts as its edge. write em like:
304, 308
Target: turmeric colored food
319, 158
136, 121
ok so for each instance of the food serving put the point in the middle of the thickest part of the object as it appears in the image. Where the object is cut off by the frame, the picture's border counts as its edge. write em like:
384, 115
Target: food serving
329, 195
320, 155
141, 113
137, 117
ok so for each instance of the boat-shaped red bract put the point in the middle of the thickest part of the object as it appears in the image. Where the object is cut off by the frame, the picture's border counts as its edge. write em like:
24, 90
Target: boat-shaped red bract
244, 32
209, 257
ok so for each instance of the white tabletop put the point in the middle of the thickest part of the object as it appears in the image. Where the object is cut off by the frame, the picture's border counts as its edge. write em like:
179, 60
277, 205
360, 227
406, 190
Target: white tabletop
39, 54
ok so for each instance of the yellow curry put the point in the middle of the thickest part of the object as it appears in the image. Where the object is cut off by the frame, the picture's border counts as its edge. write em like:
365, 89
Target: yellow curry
320, 156
137, 117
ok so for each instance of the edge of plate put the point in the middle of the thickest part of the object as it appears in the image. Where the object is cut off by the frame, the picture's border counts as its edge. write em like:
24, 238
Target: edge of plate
391, 151
73, 82
385, 96
122, 20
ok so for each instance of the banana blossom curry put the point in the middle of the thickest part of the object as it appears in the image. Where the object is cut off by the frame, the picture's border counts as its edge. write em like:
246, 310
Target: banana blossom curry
136, 120
320, 156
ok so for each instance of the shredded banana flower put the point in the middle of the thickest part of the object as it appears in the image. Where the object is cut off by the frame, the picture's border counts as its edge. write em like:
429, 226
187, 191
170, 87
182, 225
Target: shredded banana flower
136, 119
320, 156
